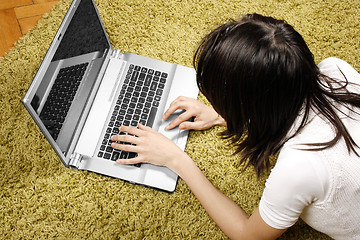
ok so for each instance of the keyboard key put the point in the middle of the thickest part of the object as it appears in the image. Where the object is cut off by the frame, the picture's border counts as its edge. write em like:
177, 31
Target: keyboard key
153, 86
115, 156
151, 119
115, 130
159, 92
139, 106
109, 149
142, 76
147, 80
132, 155
123, 155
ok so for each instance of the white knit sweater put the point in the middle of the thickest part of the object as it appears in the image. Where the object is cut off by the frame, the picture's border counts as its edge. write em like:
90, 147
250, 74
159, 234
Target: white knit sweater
321, 187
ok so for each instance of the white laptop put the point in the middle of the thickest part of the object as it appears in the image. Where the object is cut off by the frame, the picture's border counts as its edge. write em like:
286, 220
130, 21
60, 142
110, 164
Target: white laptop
84, 90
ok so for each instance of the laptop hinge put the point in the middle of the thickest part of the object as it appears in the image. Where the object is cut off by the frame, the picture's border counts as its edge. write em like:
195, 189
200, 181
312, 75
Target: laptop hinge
116, 53
75, 160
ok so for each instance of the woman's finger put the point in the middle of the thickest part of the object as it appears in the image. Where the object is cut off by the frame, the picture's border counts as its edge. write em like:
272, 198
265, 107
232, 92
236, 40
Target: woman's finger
124, 147
172, 108
124, 138
180, 119
130, 130
177, 104
196, 125
134, 160
145, 128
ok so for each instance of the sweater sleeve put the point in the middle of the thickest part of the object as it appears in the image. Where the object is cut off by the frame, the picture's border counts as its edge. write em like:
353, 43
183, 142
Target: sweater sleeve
294, 183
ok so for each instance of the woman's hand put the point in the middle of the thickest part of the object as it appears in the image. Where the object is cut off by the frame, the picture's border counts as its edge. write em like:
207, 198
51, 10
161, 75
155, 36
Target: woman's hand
204, 116
150, 145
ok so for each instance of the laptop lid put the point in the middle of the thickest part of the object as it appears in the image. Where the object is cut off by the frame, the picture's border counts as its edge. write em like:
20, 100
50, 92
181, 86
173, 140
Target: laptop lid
80, 38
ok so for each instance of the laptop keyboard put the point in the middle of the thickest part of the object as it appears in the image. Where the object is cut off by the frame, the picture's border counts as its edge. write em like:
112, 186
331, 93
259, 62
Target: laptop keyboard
61, 96
137, 102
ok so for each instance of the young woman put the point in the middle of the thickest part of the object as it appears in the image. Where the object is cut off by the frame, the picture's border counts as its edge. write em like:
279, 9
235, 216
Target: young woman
262, 81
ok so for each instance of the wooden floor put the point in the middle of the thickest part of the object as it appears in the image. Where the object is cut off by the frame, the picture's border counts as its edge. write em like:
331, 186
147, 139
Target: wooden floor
19, 16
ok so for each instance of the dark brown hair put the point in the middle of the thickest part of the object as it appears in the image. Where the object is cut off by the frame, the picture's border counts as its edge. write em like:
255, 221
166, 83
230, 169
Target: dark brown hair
258, 73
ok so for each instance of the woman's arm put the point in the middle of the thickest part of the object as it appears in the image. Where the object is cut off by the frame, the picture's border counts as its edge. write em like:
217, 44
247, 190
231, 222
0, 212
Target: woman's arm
230, 217
155, 148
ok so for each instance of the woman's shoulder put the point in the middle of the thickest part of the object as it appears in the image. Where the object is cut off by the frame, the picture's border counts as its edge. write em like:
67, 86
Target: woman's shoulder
298, 179
340, 71
300, 175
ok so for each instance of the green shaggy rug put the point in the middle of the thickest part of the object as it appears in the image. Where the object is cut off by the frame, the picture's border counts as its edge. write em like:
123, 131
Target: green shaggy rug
41, 199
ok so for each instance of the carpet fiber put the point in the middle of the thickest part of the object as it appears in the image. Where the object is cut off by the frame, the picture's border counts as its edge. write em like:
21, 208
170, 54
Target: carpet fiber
40, 198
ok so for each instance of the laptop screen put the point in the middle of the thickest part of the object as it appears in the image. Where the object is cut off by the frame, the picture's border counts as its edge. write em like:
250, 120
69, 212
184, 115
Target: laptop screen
82, 43
84, 34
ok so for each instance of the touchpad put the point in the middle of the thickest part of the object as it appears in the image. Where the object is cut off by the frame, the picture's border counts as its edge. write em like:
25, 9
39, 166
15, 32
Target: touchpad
172, 134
